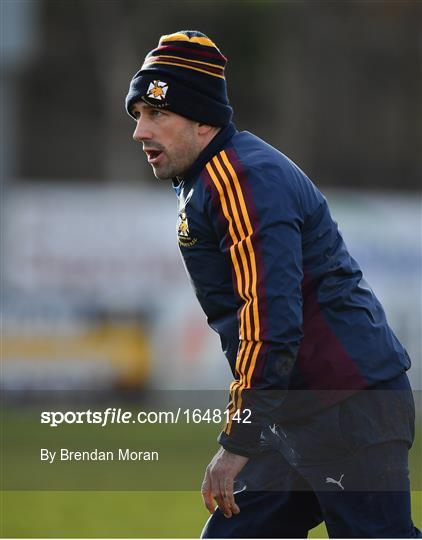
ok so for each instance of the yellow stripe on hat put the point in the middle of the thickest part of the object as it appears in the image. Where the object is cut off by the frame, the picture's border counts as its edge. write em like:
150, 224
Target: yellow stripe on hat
184, 59
183, 66
183, 37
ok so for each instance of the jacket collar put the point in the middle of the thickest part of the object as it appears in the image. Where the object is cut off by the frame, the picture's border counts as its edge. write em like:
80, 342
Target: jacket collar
213, 147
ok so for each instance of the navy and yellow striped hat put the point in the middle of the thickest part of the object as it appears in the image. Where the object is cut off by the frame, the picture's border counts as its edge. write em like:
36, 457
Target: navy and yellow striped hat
184, 74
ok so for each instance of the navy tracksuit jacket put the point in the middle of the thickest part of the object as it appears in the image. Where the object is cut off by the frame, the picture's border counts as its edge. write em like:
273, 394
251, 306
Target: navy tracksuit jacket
298, 324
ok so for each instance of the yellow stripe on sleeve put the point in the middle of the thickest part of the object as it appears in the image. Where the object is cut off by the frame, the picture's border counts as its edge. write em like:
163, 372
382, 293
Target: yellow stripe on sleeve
242, 383
235, 214
232, 199
248, 241
233, 237
241, 361
245, 379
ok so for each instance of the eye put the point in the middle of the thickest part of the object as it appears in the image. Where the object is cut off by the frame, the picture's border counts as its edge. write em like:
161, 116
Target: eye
156, 113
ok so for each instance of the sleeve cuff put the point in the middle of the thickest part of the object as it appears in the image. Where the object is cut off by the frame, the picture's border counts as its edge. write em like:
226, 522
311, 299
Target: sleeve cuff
243, 440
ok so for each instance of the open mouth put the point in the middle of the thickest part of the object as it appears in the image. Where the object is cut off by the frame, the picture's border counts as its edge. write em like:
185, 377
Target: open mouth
153, 155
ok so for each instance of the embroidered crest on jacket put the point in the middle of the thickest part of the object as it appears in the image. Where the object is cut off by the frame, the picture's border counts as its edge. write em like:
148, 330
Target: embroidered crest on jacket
183, 233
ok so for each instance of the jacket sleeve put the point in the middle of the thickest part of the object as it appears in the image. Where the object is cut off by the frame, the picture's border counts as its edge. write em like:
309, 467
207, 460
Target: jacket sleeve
258, 219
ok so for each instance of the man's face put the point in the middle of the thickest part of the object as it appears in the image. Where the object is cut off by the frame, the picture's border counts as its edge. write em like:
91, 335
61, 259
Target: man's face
170, 141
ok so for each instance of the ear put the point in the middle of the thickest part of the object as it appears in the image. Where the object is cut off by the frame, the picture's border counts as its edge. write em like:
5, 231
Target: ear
204, 129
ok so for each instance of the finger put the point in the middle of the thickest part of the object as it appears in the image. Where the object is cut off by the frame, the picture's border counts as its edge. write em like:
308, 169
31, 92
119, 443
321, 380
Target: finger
224, 503
208, 499
207, 495
229, 495
216, 492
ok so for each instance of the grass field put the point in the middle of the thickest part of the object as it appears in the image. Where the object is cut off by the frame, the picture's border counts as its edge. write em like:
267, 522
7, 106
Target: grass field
32, 505
116, 514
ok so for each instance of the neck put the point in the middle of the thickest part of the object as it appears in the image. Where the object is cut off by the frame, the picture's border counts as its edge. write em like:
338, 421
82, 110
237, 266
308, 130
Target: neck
208, 137
210, 143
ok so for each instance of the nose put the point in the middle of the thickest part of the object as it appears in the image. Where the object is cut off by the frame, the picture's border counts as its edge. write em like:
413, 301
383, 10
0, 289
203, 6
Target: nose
142, 131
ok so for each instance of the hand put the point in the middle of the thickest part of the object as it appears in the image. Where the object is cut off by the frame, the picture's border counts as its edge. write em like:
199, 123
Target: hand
218, 482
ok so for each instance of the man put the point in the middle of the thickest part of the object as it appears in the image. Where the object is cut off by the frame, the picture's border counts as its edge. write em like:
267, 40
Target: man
303, 332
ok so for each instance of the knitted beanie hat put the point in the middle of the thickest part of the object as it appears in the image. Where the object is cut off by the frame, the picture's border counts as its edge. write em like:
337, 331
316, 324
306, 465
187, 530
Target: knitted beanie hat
184, 74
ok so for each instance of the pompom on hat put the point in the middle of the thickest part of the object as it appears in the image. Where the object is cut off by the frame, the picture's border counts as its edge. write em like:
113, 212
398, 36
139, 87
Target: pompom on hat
184, 74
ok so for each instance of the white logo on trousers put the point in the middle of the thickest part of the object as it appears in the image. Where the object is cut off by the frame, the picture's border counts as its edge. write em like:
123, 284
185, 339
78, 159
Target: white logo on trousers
329, 480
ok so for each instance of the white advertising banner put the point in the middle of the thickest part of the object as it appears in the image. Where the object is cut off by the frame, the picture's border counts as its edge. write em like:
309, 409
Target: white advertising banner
94, 249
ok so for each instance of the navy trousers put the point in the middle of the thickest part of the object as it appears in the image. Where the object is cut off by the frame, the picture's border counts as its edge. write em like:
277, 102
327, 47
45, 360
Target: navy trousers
347, 466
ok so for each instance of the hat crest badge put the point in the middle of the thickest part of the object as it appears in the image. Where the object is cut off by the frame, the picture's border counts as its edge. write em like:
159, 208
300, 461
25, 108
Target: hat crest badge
157, 90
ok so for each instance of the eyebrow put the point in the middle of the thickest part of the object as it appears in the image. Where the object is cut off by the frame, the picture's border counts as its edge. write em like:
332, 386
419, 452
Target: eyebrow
144, 106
